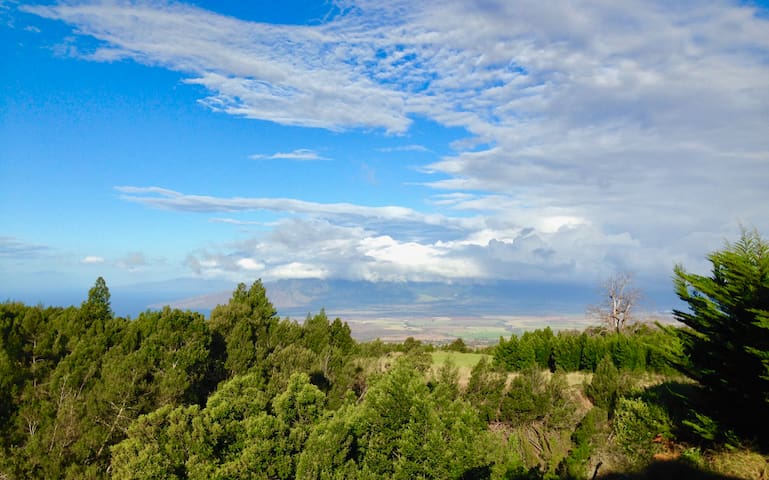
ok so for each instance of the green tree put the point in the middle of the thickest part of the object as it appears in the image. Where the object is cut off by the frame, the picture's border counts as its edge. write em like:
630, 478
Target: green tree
567, 351
636, 423
527, 398
399, 430
97, 307
446, 383
515, 354
234, 419
726, 347
541, 343
285, 361
271, 443
594, 348
158, 445
627, 351
246, 326
458, 345
484, 390
584, 440
58, 430
605, 385
561, 409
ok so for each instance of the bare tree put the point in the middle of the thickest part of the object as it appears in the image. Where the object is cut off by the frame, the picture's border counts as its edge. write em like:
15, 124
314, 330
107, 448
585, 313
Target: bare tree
619, 298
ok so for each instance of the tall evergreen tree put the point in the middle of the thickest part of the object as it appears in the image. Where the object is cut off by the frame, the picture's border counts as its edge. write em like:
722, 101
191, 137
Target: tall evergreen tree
605, 385
726, 347
246, 326
97, 307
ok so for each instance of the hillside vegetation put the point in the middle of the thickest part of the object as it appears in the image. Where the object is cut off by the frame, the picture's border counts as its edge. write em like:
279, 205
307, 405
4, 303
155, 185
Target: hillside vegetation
245, 394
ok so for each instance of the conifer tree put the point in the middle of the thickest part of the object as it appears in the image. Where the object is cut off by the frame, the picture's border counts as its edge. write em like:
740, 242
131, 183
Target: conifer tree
97, 307
726, 347
605, 385
246, 325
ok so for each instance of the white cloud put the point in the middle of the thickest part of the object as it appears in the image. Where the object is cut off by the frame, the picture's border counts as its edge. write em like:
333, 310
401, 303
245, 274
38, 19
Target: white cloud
233, 221
555, 223
298, 270
406, 148
504, 240
388, 259
92, 260
523, 73
451, 198
249, 264
292, 75
171, 200
601, 135
300, 154
315, 248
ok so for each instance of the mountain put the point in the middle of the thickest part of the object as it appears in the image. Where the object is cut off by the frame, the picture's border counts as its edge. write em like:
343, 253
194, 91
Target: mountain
300, 296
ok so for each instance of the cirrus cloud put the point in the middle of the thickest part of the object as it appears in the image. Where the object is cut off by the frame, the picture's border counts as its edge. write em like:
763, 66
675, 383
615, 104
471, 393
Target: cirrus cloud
14, 248
302, 154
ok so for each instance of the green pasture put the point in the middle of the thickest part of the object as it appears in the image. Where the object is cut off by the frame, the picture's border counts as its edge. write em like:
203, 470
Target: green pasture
460, 360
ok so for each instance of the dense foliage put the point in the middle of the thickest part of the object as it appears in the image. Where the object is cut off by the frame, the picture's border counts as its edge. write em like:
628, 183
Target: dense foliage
726, 347
641, 348
78, 381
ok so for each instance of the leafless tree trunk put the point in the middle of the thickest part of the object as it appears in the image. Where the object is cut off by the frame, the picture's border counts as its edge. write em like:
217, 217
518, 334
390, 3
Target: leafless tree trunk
620, 297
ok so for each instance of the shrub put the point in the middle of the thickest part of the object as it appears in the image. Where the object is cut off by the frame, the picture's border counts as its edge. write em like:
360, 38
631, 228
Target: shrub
636, 424
693, 456
584, 442
605, 386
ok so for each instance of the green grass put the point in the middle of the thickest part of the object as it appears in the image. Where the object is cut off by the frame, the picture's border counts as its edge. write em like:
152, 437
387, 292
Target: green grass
463, 362
460, 360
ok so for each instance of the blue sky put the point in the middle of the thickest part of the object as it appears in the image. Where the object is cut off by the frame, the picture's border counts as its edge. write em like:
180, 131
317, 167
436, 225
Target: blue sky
440, 141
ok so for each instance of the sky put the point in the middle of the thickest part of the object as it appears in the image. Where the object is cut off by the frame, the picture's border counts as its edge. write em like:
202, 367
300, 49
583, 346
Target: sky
439, 141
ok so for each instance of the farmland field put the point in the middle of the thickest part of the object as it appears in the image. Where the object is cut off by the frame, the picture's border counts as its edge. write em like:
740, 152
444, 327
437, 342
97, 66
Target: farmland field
480, 330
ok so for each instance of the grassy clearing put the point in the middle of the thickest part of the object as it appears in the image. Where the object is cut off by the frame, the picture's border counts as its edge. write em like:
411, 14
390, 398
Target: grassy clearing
460, 360
463, 362
577, 379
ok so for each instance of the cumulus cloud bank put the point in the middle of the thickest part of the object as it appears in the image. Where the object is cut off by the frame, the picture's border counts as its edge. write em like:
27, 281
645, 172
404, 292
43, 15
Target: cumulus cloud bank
348, 241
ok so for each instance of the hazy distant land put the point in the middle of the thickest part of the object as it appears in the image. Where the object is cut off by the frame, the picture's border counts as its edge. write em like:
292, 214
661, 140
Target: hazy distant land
434, 312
